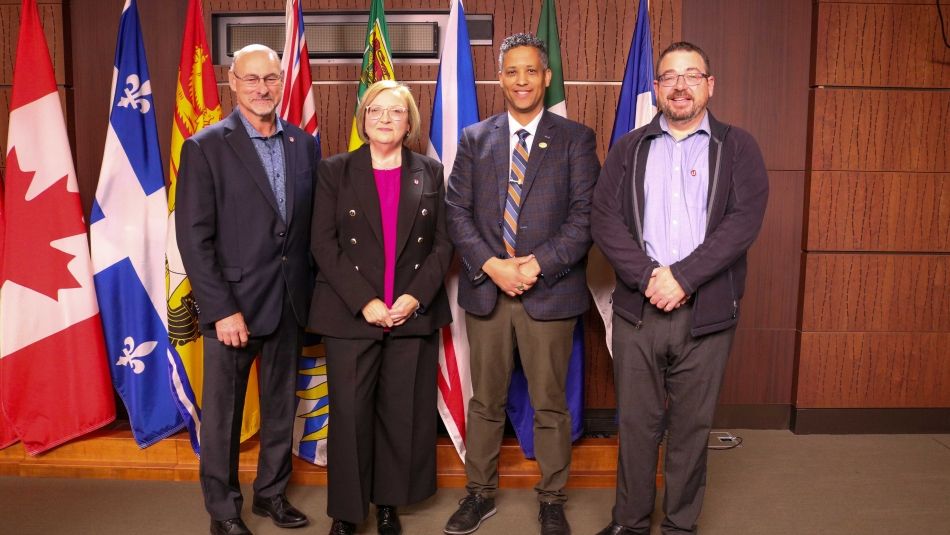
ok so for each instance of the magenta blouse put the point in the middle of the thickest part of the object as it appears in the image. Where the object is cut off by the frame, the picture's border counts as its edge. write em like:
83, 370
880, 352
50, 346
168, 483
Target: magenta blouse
387, 186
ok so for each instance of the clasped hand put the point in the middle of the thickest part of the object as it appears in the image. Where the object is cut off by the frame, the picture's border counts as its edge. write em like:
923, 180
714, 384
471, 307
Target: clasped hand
514, 276
663, 291
376, 313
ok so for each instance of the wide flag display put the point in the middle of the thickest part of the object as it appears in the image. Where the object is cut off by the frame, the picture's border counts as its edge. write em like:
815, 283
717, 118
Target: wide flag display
54, 381
635, 108
377, 60
196, 106
455, 107
520, 411
127, 232
297, 106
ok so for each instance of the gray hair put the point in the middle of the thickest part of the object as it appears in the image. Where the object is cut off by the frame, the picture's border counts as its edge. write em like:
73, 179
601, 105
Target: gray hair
522, 39
254, 47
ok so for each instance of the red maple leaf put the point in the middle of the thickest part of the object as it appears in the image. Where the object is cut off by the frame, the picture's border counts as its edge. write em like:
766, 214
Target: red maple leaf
32, 225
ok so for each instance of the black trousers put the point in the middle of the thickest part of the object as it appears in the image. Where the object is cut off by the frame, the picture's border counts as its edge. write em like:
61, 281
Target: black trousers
226, 372
667, 382
383, 419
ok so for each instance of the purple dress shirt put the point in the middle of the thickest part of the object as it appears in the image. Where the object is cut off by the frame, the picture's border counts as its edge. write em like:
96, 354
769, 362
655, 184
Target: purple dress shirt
676, 190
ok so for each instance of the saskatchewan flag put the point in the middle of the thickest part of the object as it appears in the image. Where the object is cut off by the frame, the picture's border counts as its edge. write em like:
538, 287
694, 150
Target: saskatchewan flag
547, 32
377, 60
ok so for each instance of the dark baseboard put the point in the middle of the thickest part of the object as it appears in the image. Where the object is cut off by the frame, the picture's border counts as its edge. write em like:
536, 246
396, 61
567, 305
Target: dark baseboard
773, 416
870, 421
603, 422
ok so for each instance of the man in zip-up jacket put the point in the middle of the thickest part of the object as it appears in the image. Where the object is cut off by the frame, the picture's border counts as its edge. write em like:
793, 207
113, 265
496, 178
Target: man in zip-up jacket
678, 203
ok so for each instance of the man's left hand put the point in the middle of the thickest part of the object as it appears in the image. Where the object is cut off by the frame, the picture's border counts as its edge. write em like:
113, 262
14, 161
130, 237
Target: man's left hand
663, 291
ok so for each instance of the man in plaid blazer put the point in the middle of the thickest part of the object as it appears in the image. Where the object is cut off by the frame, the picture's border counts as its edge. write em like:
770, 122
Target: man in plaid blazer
519, 201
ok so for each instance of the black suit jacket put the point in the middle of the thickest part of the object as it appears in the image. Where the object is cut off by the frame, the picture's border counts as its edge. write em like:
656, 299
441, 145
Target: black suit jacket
554, 221
238, 252
347, 244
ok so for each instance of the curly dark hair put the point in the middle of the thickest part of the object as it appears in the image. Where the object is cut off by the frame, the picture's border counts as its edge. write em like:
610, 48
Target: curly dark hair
523, 39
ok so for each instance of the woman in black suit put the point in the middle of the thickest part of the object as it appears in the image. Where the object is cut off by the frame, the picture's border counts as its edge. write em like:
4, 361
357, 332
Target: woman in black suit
381, 246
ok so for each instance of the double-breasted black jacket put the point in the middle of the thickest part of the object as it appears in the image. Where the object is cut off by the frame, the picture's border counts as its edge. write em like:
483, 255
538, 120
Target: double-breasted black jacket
347, 244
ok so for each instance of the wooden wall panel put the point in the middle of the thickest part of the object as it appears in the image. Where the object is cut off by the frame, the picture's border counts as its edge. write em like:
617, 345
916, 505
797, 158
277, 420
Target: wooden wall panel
878, 293
760, 56
881, 45
772, 283
874, 370
760, 367
871, 130
858, 211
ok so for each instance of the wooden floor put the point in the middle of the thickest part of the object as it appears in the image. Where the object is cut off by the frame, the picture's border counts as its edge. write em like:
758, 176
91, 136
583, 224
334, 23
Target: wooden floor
113, 454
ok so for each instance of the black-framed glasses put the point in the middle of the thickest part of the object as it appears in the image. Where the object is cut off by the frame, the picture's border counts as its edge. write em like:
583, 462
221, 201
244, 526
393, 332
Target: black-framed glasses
691, 78
252, 79
396, 113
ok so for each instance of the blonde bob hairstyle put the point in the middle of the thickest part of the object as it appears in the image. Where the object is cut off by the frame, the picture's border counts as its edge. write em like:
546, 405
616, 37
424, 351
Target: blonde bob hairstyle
400, 90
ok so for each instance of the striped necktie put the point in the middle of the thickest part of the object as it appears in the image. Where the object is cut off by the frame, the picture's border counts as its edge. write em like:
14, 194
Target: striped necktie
519, 162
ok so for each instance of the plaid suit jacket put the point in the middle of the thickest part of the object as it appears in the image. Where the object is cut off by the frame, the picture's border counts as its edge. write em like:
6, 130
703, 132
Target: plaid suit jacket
554, 221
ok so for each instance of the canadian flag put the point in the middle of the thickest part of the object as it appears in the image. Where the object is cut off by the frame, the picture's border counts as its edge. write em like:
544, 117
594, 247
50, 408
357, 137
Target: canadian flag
54, 380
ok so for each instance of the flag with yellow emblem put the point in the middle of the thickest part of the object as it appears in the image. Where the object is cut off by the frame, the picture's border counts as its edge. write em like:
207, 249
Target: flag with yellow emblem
377, 60
196, 106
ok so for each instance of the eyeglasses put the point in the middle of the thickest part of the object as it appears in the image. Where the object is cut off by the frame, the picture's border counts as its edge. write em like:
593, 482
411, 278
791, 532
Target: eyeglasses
670, 79
252, 79
396, 113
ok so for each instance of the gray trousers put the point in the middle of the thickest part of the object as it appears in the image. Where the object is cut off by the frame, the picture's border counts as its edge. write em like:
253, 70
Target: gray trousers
667, 382
226, 372
545, 350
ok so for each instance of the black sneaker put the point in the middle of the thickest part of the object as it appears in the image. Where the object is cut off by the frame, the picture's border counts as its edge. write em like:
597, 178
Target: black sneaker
473, 509
553, 521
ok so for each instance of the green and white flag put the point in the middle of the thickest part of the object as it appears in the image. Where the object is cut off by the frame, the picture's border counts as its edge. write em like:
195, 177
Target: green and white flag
547, 32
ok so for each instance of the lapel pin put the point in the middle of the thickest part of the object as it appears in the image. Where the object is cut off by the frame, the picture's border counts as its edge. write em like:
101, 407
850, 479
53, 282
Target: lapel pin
543, 145
291, 139
415, 181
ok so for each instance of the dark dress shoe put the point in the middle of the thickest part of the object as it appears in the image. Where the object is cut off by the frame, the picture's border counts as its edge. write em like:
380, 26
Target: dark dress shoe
615, 529
280, 511
231, 526
387, 520
553, 521
473, 509
342, 527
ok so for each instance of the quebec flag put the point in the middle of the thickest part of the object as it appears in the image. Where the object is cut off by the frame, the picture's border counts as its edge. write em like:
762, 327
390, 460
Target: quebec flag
128, 227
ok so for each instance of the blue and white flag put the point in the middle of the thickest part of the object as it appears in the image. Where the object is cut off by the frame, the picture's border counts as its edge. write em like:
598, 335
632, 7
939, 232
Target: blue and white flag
455, 107
637, 104
128, 231
635, 108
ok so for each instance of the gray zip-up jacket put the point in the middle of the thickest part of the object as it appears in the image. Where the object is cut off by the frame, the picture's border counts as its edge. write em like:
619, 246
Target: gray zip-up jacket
713, 274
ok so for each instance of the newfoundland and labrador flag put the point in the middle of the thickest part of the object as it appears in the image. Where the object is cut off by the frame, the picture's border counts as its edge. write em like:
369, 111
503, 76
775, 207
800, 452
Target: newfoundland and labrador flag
635, 108
54, 383
127, 234
455, 107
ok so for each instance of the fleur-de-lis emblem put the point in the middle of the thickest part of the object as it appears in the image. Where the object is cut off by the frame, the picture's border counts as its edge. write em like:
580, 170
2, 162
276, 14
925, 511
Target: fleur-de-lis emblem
135, 94
132, 354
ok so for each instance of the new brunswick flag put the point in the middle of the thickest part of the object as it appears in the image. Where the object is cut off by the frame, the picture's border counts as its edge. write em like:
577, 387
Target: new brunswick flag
196, 106
377, 60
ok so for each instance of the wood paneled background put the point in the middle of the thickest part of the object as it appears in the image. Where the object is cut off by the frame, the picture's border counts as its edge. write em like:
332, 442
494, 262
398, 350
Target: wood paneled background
875, 318
847, 302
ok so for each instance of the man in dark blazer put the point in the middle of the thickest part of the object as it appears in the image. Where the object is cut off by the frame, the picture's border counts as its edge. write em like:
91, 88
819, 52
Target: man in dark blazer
519, 201
243, 226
